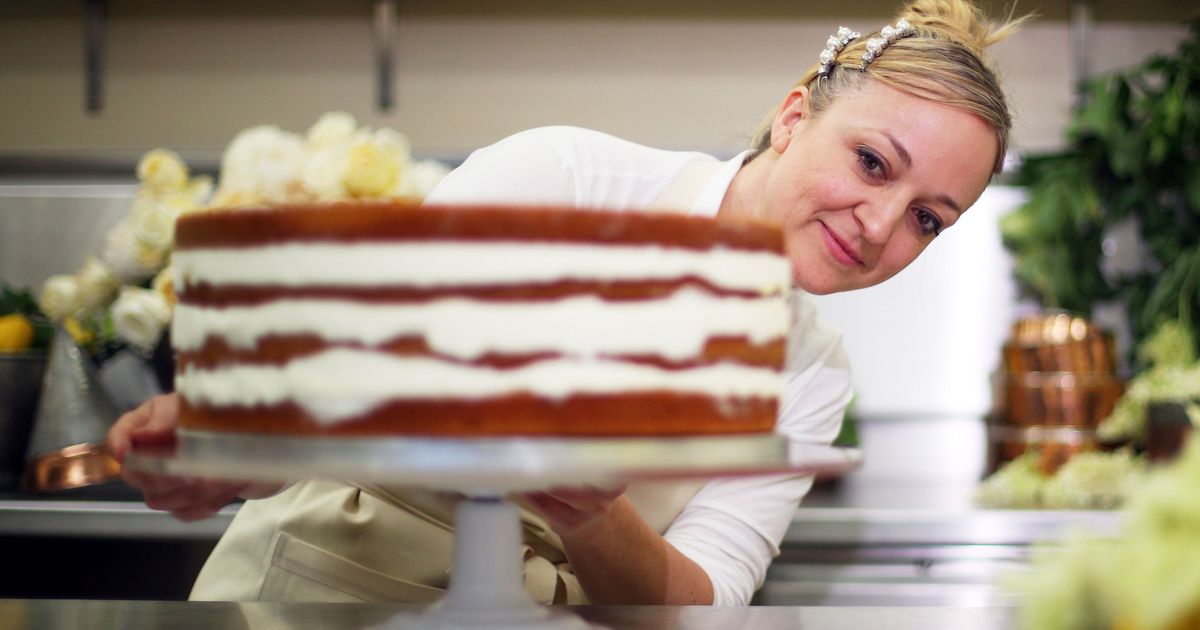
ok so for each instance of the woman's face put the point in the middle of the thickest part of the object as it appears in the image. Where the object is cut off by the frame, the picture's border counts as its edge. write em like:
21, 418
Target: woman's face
861, 189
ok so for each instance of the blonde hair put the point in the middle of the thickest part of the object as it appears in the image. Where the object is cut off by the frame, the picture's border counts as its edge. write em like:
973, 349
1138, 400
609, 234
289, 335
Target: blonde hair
942, 62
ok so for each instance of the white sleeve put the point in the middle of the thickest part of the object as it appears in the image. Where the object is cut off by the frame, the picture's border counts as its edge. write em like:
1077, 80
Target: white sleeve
523, 168
732, 527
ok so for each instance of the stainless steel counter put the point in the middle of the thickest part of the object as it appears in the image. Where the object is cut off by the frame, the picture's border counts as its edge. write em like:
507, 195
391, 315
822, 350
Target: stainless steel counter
103, 519
827, 526
891, 534
136, 615
903, 538
845, 550
875, 509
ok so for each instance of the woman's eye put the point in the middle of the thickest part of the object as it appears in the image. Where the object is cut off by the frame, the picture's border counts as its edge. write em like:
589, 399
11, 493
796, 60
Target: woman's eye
929, 222
870, 163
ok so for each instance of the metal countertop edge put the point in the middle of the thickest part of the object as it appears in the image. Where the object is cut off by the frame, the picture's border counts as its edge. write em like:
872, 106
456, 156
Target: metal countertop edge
811, 526
105, 519
878, 526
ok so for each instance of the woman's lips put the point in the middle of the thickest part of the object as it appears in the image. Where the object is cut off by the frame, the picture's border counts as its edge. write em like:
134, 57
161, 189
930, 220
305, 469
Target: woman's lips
840, 251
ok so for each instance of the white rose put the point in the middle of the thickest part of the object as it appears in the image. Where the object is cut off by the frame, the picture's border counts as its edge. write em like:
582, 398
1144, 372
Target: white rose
96, 284
378, 163
372, 172
59, 297
324, 171
200, 189
424, 176
129, 261
176, 205
164, 283
393, 143
228, 198
162, 170
262, 163
332, 129
139, 317
153, 223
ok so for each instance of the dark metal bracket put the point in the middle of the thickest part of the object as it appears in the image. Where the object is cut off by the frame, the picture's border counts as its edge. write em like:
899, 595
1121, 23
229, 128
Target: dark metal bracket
384, 22
95, 15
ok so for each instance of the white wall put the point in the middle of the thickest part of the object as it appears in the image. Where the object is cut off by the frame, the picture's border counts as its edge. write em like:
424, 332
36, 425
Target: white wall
676, 82
926, 342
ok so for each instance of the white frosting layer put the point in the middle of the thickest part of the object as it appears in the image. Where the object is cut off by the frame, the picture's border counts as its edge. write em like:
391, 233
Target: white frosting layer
341, 384
442, 263
674, 327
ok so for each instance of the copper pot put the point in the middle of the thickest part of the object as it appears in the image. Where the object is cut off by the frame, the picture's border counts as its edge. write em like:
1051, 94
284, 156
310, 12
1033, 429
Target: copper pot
1096, 354
1069, 399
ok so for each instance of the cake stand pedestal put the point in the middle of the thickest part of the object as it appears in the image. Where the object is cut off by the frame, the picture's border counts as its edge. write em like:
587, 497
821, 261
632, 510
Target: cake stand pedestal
487, 589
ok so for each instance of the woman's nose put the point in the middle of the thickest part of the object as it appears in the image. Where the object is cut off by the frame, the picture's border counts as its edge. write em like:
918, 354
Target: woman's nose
878, 219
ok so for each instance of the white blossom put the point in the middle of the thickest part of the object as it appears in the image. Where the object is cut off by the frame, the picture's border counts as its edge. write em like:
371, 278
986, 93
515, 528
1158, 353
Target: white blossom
139, 317
59, 297
96, 284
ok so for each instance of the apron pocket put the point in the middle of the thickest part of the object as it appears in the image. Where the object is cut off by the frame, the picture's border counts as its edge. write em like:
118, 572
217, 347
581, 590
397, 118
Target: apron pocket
301, 571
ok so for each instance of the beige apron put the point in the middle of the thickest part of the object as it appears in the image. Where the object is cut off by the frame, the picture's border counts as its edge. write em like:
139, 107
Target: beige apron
335, 542
330, 541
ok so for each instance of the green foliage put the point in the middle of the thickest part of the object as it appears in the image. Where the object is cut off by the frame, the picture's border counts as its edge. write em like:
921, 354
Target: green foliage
1016, 485
1091, 480
1171, 374
848, 435
1133, 153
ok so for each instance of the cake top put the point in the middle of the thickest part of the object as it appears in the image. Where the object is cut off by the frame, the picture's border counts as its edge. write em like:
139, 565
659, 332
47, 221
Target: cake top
390, 221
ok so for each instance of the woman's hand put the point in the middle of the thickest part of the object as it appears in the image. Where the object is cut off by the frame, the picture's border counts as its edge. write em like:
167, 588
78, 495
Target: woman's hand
187, 499
574, 510
614, 553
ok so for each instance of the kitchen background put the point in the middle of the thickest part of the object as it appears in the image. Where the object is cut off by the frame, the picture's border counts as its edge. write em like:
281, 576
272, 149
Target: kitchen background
668, 73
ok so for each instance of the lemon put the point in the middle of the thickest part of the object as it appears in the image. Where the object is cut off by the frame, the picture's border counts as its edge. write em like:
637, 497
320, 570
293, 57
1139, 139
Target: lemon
16, 333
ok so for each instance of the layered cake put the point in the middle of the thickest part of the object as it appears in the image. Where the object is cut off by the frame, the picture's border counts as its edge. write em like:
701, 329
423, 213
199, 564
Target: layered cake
387, 318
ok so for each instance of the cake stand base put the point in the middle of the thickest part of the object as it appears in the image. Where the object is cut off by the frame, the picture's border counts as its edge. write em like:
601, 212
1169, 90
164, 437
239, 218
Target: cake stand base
487, 588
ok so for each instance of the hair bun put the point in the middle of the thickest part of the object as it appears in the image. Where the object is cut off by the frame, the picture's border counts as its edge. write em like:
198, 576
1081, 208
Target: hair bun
958, 20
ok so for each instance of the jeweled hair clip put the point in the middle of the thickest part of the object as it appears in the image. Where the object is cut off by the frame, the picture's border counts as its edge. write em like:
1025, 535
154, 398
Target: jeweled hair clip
833, 46
889, 34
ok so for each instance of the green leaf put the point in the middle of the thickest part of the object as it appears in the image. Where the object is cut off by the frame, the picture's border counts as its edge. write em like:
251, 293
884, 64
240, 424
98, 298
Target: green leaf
18, 301
1192, 188
1133, 151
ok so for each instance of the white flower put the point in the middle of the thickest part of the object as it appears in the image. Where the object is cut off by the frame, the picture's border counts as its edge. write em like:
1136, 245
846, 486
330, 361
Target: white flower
164, 283
59, 297
425, 175
332, 129
152, 223
324, 171
139, 317
175, 205
378, 165
96, 284
1094, 480
130, 261
199, 189
261, 165
1018, 484
161, 170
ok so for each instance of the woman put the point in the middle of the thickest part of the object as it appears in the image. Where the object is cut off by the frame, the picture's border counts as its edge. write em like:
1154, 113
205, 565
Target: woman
876, 151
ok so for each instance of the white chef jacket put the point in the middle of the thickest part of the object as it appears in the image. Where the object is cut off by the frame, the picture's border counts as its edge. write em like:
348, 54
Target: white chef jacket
731, 527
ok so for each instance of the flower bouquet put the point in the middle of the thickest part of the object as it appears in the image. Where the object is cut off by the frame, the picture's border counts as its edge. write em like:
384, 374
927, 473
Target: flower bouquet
122, 298
113, 313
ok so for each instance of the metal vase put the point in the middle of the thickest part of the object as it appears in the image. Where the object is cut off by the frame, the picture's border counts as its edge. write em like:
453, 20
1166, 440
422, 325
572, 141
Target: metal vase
66, 449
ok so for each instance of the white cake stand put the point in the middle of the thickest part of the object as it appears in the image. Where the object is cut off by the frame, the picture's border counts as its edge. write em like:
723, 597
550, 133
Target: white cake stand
487, 589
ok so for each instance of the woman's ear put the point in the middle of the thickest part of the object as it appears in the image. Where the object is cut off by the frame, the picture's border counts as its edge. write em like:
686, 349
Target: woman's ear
793, 110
